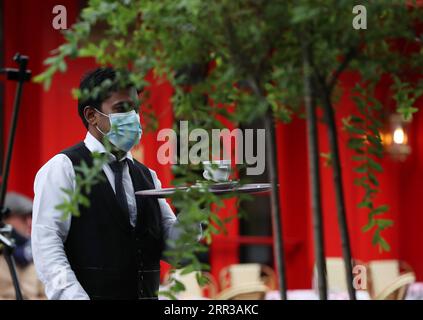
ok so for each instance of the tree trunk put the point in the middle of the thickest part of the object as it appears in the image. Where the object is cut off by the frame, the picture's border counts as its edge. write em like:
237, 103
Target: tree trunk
275, 202
313, 155
339, 190
271, 162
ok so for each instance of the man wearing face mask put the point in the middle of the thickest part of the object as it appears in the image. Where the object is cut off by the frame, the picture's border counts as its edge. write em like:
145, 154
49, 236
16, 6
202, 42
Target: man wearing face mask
113, 249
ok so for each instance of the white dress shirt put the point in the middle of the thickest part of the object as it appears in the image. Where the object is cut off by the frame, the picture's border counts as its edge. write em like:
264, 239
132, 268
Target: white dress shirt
50, 229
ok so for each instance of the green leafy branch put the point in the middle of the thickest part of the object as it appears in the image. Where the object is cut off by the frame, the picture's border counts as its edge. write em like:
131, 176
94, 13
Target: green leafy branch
405, 96
364, 130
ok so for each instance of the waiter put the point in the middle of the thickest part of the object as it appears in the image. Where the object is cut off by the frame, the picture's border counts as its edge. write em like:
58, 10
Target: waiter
113, 250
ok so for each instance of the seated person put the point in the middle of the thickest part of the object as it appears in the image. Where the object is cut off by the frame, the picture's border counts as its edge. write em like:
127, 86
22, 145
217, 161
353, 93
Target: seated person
19, 218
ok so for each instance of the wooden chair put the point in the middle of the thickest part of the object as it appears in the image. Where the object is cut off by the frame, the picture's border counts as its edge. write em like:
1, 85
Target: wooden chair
336, 275
242, 274
382, 273
248, 291
192, 288
246, 281
397, 290
268, 276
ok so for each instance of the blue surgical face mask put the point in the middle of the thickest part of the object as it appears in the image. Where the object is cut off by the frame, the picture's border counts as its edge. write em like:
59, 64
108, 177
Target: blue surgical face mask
125, 129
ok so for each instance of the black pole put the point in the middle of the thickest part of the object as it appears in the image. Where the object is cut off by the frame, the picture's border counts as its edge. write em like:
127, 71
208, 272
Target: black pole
271, 162
8, 247
275, 203
271, 159
339, 193
313, 152
2, 97
20, 75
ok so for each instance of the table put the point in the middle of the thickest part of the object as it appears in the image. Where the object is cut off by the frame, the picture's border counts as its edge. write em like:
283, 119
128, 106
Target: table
216, 189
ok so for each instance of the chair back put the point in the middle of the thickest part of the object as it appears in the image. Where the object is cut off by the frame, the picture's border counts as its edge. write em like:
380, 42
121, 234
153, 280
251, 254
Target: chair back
336, 275
245, 273
192, 288
397, 289
240, 274
248, 291
381, 274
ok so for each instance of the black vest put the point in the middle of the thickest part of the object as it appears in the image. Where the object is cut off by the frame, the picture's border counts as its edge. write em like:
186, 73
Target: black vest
110, 258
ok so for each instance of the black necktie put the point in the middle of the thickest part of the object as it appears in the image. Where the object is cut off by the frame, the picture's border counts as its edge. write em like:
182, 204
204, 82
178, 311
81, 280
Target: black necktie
117, 168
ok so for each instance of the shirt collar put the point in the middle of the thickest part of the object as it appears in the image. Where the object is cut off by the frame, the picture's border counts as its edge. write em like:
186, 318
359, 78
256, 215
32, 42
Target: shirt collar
96, 146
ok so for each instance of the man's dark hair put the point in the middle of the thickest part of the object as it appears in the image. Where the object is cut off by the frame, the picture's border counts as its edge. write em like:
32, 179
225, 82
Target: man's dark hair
91, 80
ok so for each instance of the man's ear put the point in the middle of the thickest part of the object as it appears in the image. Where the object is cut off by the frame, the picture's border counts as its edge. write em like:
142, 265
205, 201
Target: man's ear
90, 115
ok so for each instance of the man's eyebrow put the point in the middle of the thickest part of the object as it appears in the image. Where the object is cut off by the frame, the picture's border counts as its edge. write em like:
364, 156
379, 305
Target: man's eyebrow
122, 102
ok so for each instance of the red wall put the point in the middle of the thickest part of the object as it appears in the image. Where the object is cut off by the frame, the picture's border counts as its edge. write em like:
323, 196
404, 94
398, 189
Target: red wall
294, 196
49, 122
401, 186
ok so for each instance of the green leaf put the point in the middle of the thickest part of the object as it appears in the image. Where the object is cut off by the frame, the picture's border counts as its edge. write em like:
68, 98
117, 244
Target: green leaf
362, 168
373, 179
355, 143
359, 158
376, 237
379, 210
384, 244
303, 13
188, 269
201, 279
374, 165
365, 204
83, 200
384, 223
215, 218
62, 66
375, 140
369, 225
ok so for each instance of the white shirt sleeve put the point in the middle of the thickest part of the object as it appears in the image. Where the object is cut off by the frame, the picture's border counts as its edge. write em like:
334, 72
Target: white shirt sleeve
172, 230
50, 230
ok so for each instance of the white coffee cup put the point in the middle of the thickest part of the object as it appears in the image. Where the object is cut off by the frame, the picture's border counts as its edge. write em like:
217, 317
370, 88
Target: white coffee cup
217, 170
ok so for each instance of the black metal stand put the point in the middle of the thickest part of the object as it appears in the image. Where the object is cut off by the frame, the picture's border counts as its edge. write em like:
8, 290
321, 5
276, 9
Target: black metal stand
21, 75
8, 247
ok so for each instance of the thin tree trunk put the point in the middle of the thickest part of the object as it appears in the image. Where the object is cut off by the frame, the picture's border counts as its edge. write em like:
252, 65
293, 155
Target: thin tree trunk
339, 190
313, 155
271, 160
